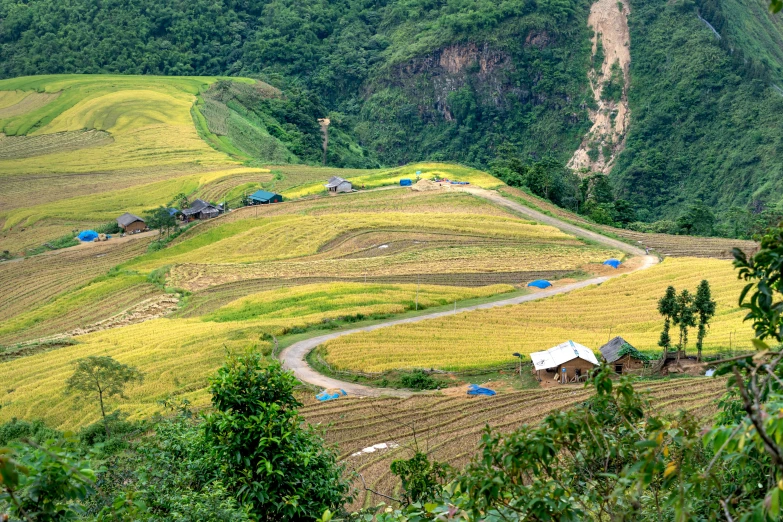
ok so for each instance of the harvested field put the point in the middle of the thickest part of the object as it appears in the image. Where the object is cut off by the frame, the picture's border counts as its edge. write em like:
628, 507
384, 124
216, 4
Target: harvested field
28, 283
625, 306
17, 103
78, 309
449, 427
214, 297
233, 186
17, 147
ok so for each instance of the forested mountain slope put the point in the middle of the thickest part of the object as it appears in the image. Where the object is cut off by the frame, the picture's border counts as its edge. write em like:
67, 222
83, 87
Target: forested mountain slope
706, 114
466, 81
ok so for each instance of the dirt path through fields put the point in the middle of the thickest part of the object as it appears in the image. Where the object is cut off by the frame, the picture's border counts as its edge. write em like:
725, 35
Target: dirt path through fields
293, 357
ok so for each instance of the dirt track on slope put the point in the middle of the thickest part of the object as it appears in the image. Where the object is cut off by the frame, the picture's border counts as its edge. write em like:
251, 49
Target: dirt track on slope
293, 357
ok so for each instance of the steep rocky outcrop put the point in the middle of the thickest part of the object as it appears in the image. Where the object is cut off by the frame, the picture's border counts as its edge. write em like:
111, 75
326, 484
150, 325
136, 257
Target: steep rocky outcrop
610, 116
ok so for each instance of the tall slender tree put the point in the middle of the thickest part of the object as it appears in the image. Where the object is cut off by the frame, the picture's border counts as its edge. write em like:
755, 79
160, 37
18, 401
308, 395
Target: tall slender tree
667, 307
704, 306
684, 318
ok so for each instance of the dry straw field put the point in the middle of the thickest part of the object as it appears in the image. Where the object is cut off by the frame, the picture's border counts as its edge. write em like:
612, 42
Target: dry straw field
449, 426
625, 306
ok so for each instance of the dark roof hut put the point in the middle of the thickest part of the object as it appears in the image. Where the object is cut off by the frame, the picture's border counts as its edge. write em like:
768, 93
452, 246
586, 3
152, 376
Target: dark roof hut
131, 223
200, 209
624, 357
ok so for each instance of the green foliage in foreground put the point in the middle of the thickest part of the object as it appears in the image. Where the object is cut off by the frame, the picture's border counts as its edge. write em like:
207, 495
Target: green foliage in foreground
280, 470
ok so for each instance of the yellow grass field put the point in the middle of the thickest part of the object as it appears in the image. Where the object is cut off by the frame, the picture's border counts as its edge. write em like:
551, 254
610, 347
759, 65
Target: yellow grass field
373, 179
626, 306
178, 355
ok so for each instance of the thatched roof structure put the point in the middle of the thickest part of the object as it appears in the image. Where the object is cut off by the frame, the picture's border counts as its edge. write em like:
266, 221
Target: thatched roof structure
619, 347
128, 218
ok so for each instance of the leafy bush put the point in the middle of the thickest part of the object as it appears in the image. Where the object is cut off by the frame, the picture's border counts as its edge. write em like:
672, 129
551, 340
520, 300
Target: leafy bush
419, 380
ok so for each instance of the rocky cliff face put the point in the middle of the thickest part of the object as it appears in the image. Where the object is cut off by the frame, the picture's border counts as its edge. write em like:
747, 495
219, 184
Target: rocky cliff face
432, 78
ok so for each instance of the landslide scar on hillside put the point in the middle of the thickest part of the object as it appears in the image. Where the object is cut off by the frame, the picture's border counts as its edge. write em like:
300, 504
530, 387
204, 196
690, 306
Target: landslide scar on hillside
609, 81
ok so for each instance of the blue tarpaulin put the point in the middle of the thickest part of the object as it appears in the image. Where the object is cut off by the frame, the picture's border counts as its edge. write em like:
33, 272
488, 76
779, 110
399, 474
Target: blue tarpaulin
475, 389
614, 263
540, 283
328, 395
405, 182
87, 235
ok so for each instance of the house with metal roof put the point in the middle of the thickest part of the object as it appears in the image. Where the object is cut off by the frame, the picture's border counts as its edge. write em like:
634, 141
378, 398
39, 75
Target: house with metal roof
337, 184
200, 209
262, 197
131, 223
625, 358
565, 363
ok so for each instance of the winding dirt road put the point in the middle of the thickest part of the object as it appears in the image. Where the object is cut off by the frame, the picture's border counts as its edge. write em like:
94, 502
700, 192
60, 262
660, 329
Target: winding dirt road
293, 357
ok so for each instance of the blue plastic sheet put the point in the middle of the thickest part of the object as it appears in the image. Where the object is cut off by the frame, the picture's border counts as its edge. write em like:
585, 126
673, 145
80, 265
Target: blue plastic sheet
87, 235
327, 396
540, 283
614, 263
406, 182
475, 389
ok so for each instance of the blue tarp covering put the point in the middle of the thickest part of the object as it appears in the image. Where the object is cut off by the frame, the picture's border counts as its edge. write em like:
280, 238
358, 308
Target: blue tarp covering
540, 283
406, 182
87, 235
326, 396
614, 263
475, 389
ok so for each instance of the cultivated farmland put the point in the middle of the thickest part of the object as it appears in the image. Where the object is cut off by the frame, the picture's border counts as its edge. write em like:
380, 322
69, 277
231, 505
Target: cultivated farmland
178, 355
625, 306
449, 427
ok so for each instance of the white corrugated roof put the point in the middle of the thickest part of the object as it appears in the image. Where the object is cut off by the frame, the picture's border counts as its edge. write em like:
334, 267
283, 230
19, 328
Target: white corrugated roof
560, 354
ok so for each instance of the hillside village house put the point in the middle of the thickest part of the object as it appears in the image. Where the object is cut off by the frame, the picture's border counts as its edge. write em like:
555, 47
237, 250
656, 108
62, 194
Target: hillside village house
262, 197
337, 185
622, 356
131, 224
565, 363
200, 209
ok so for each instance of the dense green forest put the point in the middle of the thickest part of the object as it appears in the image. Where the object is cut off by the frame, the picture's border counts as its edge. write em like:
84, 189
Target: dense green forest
457, 80
706, 112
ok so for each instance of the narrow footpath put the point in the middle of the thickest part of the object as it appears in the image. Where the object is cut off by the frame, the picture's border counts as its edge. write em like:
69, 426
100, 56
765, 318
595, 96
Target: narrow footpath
293, 357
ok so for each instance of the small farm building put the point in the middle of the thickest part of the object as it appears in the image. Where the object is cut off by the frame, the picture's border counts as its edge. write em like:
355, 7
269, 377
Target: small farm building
564, 363
622, 356
262, 197
131, 224
337, 184
200, 209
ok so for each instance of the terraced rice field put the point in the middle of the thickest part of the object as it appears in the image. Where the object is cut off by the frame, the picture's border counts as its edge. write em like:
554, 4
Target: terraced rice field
661, 244
625, 306
380, 178
178, 355
78, 309
29, 283
60, 130
449, 427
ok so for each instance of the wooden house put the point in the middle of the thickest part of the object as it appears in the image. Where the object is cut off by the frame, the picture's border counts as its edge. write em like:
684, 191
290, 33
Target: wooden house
337, 185
131, 224
200, 209
262, 197
622, 356
568, 362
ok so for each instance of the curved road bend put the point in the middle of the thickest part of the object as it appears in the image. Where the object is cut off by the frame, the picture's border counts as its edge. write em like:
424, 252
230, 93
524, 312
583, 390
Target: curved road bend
293, 357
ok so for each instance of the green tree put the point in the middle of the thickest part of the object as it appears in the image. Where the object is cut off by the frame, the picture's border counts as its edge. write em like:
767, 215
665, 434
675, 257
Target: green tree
698, 220
667, 307
161, 219
704, 306
684, 318
104, 376
44, 483
422, 480
268, 459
